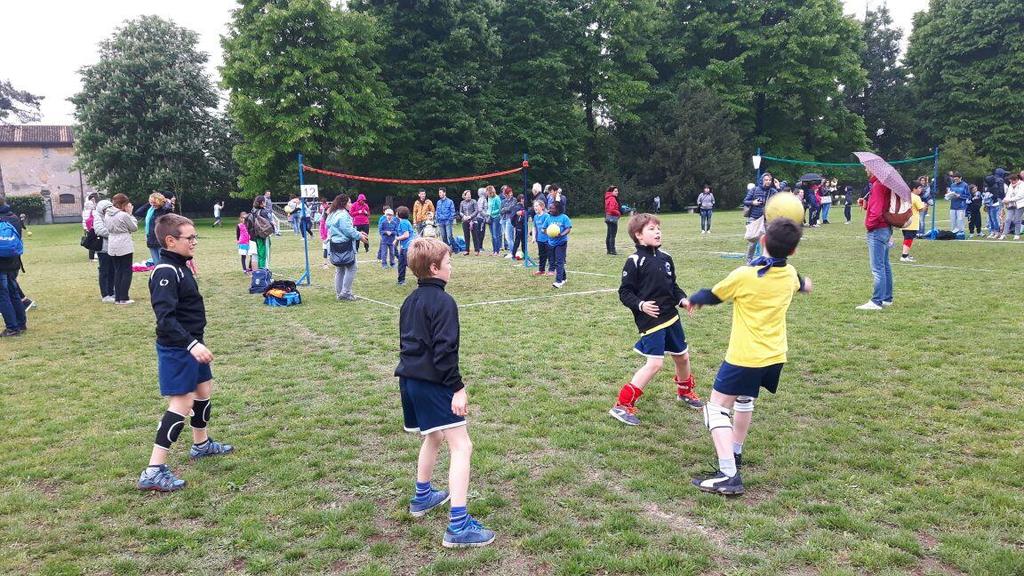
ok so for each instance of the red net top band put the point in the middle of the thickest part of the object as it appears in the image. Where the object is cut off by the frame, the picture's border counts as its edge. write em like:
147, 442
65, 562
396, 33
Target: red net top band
425, 181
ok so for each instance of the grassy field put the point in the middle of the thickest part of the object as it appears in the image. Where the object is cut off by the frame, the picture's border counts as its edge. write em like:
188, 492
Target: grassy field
894, 445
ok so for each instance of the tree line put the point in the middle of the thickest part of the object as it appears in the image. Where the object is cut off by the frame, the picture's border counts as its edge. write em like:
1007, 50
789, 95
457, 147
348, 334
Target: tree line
655, 96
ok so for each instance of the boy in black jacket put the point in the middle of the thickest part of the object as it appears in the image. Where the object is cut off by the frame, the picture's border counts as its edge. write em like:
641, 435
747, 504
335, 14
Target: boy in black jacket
433, 394
183, 361
650, 290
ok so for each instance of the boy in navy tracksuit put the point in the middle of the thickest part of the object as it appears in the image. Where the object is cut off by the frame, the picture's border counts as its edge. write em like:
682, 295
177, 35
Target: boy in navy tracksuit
183, 361
650, 290
433, 394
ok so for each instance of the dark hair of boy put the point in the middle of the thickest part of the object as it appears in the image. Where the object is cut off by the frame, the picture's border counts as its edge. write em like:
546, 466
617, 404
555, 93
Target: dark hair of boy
781, 237
1014, 176
340, 201
169, 225
637, 222
555, 209
403, 212
424, 253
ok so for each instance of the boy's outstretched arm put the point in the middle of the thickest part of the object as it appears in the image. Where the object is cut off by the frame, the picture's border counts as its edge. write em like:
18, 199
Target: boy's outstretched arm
806, 286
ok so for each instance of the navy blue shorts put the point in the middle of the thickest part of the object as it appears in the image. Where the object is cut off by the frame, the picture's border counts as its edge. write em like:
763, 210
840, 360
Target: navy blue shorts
178, 372
427, 406
743, 381
669, 340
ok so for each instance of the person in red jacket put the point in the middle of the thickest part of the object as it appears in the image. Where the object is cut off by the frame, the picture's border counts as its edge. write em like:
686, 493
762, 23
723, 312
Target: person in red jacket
878, 236
612, 213
361, 220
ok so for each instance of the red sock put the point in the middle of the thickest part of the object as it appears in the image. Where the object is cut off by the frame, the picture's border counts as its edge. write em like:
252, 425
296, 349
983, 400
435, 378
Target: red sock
684, 386
629, 395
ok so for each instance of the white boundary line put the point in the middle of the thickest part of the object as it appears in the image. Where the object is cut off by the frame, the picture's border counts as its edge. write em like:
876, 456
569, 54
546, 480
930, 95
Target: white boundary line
954, 268
378, 302
513, 300
591, 273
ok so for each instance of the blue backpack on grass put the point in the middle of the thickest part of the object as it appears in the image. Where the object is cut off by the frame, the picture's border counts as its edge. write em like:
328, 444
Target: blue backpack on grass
10, 241
261, 280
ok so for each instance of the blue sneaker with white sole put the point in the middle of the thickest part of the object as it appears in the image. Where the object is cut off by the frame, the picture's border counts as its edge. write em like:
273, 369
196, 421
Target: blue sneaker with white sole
210, 448
719, 483
159, 479
472, 535
436, 498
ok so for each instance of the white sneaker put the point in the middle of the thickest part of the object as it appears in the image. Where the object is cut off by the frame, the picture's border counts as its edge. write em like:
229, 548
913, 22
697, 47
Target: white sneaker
107, 299
886, 303
558, 284
124, 302
1016, 237
869, 305
1001, 237
509, 255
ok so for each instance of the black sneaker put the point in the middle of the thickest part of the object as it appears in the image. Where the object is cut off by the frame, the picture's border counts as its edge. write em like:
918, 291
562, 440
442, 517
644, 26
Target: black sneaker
721, 484
28, 303
9, 333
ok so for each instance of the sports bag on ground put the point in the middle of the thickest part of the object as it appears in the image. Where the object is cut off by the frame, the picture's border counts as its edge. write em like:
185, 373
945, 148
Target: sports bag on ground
261, 280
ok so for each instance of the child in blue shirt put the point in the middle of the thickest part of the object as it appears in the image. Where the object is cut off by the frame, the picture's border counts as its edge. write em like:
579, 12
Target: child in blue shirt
405, 233
387, 226
541, 219
560, 243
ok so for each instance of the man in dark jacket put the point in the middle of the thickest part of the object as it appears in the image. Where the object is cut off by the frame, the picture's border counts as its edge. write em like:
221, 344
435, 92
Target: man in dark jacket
11, 306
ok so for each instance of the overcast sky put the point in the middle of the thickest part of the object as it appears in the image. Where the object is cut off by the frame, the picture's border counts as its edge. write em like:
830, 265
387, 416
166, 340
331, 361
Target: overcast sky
45, 42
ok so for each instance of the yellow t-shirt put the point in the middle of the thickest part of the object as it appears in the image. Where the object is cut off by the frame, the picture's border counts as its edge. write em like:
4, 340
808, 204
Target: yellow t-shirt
758, 335
916, 205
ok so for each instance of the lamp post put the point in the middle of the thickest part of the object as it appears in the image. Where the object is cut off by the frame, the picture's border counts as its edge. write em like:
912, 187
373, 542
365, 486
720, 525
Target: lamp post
756, 159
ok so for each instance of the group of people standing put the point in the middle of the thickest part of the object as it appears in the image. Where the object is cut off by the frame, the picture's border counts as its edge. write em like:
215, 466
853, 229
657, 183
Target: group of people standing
1001, 197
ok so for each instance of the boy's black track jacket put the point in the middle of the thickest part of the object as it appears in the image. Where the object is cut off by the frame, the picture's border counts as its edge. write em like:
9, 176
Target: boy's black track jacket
649, 275
180, 312
429, 336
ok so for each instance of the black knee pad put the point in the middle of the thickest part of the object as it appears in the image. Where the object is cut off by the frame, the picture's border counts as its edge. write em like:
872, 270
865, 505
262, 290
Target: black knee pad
200, 414
169, 429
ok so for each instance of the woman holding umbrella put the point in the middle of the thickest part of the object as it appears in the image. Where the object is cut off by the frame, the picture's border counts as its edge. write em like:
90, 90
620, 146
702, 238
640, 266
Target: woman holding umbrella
884, 181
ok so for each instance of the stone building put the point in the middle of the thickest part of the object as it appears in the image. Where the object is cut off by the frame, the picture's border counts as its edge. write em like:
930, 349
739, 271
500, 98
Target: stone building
38, 160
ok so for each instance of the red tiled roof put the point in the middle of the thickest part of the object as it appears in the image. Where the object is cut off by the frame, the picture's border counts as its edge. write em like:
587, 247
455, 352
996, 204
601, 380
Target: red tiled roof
51, 136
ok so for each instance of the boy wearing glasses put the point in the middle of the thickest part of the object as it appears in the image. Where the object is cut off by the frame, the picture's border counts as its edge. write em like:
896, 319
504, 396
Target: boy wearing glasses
183, 361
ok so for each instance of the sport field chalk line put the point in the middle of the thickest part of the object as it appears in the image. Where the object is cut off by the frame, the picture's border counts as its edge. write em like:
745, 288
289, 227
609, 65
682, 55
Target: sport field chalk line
561, 294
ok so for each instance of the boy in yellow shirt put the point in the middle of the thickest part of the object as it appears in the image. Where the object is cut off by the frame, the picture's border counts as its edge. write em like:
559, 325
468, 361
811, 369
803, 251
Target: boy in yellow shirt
761, 293
910, 229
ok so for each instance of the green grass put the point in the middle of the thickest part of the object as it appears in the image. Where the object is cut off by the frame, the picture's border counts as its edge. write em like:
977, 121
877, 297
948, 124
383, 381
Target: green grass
893, 446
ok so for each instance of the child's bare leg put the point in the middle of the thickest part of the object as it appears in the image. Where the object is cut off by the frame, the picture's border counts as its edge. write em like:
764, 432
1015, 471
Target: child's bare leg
646, 373
460, 449
201, 399
180, 405
428, 456
682, 363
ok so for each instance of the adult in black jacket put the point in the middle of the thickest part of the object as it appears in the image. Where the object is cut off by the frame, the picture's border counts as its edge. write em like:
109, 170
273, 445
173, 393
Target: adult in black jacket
11, 306
158, 206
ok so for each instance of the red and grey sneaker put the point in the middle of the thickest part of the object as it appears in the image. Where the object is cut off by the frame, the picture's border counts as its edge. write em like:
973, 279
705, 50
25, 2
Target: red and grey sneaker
685, 393
625, 414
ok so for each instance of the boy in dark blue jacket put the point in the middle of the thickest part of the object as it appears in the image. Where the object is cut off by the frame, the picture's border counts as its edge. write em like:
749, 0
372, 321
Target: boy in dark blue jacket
433, 394
651, 291
183, 361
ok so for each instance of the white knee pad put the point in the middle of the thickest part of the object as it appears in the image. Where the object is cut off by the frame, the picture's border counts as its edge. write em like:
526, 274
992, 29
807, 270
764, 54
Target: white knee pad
744, 404
716, 416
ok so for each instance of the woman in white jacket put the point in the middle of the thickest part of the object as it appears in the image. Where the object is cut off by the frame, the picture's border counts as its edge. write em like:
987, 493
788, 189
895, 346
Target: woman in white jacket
106, 267
1014, 202
120, 224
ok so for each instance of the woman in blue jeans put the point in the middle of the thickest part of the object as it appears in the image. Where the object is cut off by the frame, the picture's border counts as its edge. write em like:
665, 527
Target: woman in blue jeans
878, 235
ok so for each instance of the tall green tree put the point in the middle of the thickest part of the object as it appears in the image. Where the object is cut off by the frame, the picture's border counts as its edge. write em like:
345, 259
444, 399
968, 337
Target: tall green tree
21, 104
303, 77
440, 61
145, 111
884, 100
966, 58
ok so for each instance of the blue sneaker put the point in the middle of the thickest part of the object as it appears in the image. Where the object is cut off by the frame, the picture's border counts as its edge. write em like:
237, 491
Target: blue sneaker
211, 448
160, 479
472, 535
625, 414
429, 502
719, 483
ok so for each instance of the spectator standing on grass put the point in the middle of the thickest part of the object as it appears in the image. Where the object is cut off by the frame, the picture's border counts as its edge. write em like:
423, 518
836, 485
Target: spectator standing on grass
445, 218
959, 195
268, 203
420, 209
506, 208
612, 213
261, 210
878, 236
483, 218
88, 218
361, 220
121, 224
344, 233
755, 201
992, 200
294, 214
928, 197
657, 204
468, 211
519, 220
706, 203
218, 208
974, 212
106, 267
12, 308
847, 203
387, 228
555, 195
1014, 202
494, 210
157, 207
910, 228
827, 190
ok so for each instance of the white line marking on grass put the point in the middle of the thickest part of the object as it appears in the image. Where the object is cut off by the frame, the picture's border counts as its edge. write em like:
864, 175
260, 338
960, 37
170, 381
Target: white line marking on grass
591, 273
954, 268
561, 294
378, 302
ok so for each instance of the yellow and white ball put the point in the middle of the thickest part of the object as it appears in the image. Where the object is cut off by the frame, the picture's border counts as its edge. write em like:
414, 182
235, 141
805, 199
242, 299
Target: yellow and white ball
784, 205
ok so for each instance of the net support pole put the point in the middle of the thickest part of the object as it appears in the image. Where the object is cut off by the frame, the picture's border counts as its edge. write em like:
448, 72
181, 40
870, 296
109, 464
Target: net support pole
934, 232
305, 278
527, 261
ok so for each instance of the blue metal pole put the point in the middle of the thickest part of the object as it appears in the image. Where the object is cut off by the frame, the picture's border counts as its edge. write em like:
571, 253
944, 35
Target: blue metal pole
305, 278
527, 261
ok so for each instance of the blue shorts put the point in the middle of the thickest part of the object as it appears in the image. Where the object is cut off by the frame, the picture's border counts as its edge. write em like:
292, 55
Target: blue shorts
178, 372
743, 381
427, 406
669, 340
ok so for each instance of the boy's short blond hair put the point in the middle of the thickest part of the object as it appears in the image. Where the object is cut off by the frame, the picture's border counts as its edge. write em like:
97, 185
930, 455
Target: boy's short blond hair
424, 253
637, 222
